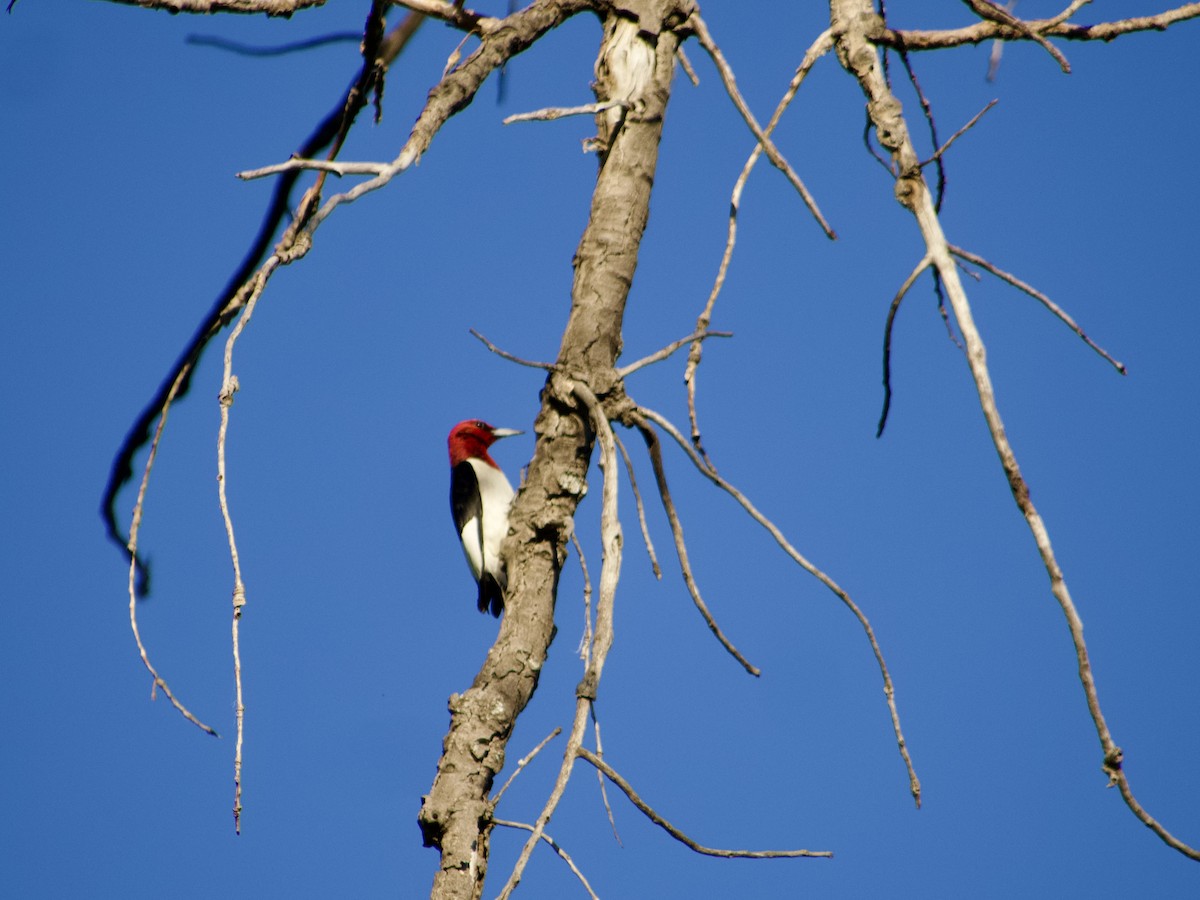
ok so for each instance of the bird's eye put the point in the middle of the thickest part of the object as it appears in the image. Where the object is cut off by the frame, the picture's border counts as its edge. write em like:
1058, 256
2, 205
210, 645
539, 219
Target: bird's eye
479, 423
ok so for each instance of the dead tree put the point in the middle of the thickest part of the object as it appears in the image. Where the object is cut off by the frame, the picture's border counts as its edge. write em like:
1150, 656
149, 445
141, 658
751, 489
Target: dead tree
585, 393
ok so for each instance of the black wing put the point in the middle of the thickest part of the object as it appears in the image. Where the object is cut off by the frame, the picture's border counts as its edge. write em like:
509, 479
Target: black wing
464, 497
465, 504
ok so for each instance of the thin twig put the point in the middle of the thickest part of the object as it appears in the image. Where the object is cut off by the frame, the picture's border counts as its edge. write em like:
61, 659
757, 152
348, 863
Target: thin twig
674, 832
229, 387
641, 509
1041, 298
887, 341
297, 163
135, 563
455, 56
551, 113
695, 337
664, 492
822, 45
976, 358
990, 11
889, 690
927, 110
600, 776
954, 137
504, 354
452, 14
1075, 6
585, 641
562, 854
502, 39
522, 763
726, 72
686, 65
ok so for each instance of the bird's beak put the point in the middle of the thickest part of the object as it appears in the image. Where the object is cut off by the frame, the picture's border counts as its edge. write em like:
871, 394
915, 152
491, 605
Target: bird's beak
505, 432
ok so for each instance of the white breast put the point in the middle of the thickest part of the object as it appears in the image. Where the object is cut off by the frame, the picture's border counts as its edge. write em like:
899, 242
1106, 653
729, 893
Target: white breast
495, 495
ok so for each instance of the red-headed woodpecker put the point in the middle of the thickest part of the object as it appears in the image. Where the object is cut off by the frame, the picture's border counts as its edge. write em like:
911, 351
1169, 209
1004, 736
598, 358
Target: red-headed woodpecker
479, 499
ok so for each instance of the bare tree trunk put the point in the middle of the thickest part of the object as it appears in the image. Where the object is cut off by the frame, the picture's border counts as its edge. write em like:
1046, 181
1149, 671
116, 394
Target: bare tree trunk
635, 68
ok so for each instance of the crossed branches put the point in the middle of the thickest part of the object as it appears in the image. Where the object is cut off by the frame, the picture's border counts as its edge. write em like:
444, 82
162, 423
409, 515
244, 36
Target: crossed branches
586, 392
856, 48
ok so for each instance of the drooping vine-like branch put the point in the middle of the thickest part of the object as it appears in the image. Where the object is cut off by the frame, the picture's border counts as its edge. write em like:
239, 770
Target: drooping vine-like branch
674, 832
689, 579
229, 387
379, 51
585, 390
643, 414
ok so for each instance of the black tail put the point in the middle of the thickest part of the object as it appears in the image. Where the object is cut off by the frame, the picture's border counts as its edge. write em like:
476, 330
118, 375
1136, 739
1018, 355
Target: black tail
490, 594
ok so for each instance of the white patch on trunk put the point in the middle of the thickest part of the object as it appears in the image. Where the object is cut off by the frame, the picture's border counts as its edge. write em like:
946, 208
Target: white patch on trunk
625, 68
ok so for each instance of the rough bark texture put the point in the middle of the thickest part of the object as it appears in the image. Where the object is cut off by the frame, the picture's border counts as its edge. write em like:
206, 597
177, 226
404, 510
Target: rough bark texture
455, 814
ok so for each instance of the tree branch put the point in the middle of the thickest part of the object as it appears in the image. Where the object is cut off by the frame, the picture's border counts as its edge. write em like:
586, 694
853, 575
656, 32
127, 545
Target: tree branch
451, 14
822, 45
285, 8
858, 56
1041, 298
562, 854
889, 690
379, 53
641, 508
991, 13
674, 832
696, 337
764, 141
542, 514
136, 569
887, 341
610, 571
229, 387
664, 492
914, 39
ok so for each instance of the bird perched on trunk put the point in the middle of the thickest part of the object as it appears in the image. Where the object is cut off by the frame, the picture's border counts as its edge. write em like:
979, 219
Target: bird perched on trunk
479, 499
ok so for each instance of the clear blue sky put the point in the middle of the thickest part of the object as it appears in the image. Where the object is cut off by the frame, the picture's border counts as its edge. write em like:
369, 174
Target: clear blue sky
122, 220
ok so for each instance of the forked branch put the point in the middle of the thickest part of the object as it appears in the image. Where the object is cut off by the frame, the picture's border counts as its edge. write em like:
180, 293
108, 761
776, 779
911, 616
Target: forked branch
379, 51
727, 78
858, 55
822, 45
1041, 298
917, 39
889, 690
